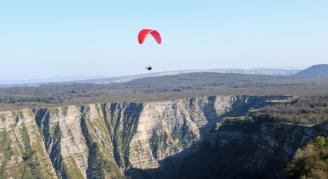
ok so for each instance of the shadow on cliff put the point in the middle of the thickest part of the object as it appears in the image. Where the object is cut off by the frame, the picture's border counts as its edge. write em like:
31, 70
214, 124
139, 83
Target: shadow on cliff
262, 151
240, 107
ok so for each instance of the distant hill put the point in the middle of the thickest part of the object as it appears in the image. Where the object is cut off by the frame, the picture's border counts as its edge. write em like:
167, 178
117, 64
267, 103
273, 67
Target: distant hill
314, 71
160, 88
122, 79
255, 71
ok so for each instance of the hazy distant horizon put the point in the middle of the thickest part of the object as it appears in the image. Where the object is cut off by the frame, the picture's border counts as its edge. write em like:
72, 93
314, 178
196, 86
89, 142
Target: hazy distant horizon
20, 79
43, 39
64, 78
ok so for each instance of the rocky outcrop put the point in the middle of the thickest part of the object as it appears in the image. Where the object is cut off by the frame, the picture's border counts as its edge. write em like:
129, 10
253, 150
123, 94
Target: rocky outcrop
22, 150
106, 140
167, 128
245, 148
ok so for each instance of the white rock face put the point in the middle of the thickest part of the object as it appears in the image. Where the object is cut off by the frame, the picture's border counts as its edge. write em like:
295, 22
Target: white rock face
19, 137
173, 126
73, 147
73, 141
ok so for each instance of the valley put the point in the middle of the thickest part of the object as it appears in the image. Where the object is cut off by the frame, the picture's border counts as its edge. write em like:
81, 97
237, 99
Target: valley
182, 126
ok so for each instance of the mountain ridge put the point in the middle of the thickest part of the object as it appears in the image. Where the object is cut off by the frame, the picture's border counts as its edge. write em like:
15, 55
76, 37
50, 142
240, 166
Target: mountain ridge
107, 139
320, 70
127, 78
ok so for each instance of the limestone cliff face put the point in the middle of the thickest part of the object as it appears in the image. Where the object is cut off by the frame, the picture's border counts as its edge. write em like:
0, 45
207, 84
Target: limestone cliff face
167, 128
105, 140
244, 148
22, 148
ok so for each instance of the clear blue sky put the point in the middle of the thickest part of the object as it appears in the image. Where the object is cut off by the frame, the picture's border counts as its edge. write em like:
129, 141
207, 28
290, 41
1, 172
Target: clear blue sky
41, 39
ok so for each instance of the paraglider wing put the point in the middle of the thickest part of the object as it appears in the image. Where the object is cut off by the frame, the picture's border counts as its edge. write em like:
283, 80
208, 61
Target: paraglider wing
156, 36
142, 35
144, 32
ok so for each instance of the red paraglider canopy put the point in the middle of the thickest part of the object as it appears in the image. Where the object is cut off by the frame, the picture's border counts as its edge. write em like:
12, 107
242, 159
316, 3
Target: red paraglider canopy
144, 32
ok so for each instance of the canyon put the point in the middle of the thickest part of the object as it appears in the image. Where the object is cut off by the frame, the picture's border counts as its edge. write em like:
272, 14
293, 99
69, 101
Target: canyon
116, 140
